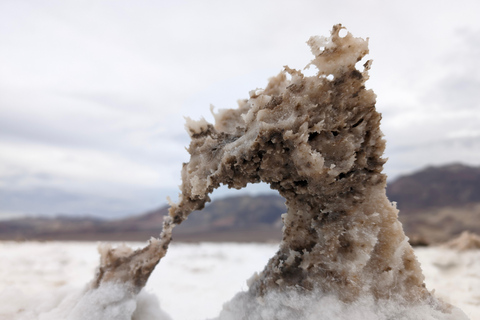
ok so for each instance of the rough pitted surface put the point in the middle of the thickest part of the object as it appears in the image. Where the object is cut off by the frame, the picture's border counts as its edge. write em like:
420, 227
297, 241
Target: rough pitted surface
317, 141
129, 267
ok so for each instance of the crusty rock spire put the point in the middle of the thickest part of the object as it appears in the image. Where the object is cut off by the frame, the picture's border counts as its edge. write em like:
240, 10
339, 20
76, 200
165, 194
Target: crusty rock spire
317, 141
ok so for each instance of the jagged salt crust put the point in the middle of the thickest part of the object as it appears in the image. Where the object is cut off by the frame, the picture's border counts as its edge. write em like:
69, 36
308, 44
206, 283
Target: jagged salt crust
317, 141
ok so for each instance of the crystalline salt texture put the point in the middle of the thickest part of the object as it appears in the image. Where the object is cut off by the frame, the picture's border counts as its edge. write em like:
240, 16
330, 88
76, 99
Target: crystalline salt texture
317, 141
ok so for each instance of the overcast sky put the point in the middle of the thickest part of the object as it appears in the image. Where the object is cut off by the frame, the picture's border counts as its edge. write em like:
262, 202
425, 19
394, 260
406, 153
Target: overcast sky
93, 93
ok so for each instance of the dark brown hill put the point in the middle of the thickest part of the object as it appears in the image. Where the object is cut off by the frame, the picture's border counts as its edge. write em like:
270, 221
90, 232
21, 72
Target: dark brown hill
434, 187
438, 203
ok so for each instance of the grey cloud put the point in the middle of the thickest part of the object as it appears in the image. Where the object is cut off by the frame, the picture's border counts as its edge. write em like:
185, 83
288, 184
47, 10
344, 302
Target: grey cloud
406, 158
460, 92
114, 101
17, 177
469, 143
459, 87
108, 137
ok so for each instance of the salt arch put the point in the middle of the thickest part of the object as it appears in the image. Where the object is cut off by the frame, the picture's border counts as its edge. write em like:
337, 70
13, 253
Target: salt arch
317, 141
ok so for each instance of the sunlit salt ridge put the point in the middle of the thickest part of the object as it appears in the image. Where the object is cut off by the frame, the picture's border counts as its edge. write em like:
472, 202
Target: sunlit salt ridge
317, 141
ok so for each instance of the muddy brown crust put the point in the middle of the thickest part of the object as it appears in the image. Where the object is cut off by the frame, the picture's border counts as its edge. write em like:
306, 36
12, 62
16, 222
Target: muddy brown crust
317, 141
129, 267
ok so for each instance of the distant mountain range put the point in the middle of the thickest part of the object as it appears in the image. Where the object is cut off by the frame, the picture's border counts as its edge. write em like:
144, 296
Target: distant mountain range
436, 204
447, 186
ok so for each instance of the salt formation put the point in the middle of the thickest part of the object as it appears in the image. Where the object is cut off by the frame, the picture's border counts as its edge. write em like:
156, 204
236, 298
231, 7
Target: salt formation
317, 141
466, 241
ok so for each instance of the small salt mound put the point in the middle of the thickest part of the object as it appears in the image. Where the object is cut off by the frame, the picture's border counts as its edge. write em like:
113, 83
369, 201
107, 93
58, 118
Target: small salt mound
110, 301
116, 301
315, 305
466, 241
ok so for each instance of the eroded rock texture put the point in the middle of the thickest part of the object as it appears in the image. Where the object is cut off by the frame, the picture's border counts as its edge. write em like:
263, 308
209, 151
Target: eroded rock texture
317, 141
129, 267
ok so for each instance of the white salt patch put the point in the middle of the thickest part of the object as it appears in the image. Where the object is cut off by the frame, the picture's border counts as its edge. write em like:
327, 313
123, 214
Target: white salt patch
194, 280
108, 302
317, 305
454, 275
33, 278
116, 301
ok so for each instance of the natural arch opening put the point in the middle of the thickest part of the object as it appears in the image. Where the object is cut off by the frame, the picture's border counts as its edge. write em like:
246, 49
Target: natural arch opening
252, 214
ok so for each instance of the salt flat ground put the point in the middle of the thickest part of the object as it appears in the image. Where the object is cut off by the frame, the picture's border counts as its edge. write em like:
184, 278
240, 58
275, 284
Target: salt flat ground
193, 280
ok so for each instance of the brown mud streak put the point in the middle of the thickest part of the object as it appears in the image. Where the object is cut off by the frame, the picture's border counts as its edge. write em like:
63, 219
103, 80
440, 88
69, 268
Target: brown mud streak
318, 142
